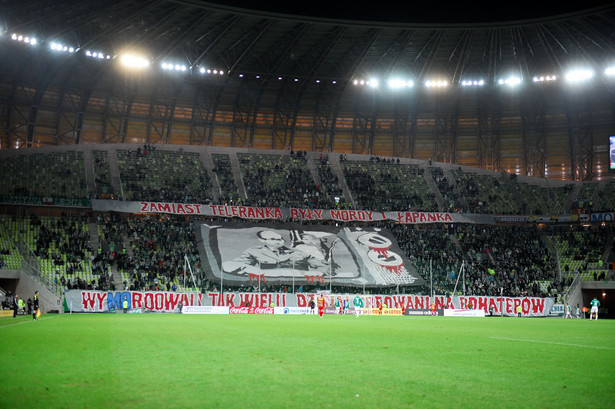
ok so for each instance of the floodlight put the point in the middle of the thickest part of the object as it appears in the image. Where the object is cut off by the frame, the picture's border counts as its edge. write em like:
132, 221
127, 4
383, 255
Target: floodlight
134, 61
397, 83
545, 78
97, 54
579, 75
511, 81
472, 83
436, 83
610, 71
24, 39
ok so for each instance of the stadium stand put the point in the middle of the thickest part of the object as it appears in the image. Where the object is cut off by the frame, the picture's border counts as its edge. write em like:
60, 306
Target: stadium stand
388, 185
229, 190
102, 174
109, 250
148, 173
44, 174
280, 180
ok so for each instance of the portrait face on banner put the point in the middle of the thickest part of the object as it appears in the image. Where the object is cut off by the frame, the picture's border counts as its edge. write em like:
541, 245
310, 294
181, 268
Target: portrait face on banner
284, 253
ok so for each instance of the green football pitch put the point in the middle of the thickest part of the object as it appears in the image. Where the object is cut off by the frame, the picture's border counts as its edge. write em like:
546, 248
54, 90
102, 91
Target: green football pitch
220, 361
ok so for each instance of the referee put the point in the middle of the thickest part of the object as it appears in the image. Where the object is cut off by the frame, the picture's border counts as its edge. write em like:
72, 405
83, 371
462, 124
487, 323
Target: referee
35, 306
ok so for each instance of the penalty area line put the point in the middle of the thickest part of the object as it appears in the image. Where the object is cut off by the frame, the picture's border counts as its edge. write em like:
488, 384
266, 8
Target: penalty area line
28, 321
553, 343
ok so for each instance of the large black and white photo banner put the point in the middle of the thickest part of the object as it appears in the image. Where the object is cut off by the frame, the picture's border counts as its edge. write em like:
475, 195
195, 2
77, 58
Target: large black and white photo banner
264, 253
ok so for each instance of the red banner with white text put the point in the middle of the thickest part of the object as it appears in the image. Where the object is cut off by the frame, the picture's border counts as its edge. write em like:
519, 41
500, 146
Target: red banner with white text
289, 214
264, 303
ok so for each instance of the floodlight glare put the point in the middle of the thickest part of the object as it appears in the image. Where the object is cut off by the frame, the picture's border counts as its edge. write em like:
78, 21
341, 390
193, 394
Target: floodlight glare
545, 78
436, 83
510, 81
24, 39
579, 75
397, 83
134, 61
472, 83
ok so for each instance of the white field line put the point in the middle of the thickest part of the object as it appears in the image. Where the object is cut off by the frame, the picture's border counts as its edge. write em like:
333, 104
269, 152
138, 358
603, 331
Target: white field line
30, 321
554, 343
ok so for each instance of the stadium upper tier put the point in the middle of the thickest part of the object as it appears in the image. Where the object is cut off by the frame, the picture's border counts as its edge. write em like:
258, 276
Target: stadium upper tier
531, 97
210, 175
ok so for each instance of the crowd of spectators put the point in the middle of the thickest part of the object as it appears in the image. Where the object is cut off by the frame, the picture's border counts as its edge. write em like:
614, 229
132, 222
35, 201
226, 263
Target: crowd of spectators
150, 250
330, 182
387, 185
432, 252
229, 191
165, 176
452, 200
49, 175
281, 181
158, 246
102, 175
150, 173
510, 260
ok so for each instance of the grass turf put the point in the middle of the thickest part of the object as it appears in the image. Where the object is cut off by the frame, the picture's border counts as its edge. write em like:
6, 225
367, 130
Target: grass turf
211, 361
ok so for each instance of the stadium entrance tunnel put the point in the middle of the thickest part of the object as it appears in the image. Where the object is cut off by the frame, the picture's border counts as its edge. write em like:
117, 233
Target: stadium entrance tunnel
605, 296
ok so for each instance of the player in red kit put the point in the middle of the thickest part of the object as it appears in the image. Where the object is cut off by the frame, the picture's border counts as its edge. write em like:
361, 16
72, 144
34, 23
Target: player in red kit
321, 305
432, 307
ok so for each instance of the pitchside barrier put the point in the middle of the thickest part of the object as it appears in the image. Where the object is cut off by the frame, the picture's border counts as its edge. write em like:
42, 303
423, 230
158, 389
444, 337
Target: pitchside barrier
288, 303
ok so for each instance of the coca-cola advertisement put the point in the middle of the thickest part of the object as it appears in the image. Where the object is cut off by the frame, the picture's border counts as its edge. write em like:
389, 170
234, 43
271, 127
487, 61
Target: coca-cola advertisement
250, 310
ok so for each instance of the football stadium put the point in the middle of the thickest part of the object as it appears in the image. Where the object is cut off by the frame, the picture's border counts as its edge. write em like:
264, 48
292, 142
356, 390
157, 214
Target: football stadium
222, 204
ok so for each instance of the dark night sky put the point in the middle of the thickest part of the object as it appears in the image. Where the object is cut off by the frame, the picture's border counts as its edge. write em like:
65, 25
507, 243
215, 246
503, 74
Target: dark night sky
419, 12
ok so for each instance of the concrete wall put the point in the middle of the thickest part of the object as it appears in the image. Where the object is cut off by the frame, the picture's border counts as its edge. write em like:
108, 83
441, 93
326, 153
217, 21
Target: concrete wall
20, 283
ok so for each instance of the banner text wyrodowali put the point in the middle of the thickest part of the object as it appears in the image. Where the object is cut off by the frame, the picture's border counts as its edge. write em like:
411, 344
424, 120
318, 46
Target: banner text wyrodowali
160, 301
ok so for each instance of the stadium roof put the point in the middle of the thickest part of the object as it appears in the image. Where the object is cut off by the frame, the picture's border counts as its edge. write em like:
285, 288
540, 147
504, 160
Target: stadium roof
340, 42
297, 61
420, 12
